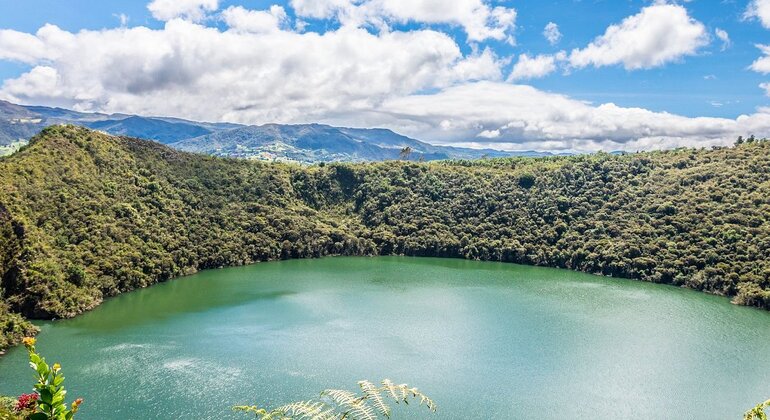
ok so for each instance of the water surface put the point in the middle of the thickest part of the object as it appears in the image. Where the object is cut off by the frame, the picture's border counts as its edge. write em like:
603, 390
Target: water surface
485, 340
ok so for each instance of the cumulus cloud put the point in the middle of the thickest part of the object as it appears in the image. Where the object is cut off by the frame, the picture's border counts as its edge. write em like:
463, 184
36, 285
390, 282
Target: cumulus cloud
759, 9
534, 67
19, 46
552, 33
194, 10
480, 20
254, 71
519, 117
659, 34
760, 65
241, 19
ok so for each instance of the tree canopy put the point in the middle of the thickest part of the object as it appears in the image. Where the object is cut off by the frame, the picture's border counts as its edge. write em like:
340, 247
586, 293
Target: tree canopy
85, 216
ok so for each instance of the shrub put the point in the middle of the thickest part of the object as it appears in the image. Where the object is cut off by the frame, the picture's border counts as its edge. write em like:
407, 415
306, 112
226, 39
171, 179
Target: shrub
47, 403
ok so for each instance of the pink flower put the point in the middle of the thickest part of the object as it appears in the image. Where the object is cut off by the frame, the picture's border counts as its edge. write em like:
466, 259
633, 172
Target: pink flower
26, 401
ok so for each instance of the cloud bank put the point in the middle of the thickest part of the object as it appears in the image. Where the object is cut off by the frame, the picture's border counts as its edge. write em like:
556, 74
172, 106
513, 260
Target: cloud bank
254, 66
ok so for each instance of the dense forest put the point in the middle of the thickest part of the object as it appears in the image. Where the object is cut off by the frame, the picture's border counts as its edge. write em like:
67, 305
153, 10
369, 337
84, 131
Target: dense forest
85, 216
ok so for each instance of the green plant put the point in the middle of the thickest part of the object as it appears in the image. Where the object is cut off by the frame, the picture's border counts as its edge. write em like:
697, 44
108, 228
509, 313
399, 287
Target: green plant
757, 412
50, 388
336, 404
7, 411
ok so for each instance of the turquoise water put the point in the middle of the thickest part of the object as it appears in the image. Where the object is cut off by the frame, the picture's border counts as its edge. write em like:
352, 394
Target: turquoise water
484, 340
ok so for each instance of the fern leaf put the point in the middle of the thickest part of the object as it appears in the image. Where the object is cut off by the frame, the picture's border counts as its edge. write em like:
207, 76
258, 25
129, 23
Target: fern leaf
391, 388
402, 393
340, 396
351, 404
329, 414
372, 393
757, 412
260, 413
303, 410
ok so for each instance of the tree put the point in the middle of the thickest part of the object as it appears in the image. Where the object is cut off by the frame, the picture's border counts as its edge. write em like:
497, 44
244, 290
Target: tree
527, 181
405, 153
336, 404
739, 141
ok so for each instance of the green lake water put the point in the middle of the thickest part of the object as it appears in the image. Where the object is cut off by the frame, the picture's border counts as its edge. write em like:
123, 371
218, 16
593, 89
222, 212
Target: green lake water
485, 340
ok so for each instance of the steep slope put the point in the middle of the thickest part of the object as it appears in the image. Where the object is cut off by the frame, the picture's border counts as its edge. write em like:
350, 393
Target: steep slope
86, 215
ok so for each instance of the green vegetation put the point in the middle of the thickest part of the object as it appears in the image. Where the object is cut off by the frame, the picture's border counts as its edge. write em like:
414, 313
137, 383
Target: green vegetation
47, 402
84, 216
758, 412
337, 404
7, 409
13, 327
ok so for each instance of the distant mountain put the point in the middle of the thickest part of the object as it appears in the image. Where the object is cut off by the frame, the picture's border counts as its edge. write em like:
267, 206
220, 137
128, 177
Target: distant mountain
323, 143
150, 128
307, 143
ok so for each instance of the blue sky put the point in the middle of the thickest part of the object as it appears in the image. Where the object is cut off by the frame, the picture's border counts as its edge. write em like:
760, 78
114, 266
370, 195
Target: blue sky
710, 79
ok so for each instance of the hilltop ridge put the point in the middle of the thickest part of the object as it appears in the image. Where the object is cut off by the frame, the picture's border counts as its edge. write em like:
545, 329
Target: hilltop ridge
305, 143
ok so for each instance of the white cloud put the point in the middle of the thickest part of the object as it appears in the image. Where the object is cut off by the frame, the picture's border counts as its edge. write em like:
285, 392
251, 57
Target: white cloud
320, 9
552, 33
489, 134
194, 10
20, 46
122, 18
242, 19
766, 87
259, 70
527, 118
479, 20
659, 34
762, 64
252, 72
759, 9
533, 67
724, 37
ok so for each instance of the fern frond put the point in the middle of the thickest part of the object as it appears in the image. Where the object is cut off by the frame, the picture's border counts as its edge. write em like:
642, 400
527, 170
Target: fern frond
304, 410
340, 396
372, 393
391, 388
339, 404
260, 413
757, 412
402, 393
423, 399
329, 414
351, 404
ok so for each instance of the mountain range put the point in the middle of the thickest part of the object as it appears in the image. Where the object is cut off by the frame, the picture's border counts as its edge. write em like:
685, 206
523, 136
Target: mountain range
306, 143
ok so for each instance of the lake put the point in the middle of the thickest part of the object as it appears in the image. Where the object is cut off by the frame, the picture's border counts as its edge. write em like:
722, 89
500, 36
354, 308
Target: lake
484, 340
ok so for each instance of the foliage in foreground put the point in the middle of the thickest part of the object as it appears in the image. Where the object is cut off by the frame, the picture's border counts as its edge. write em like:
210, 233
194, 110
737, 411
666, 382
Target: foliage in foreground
47, 403
85, 216
336, 404
758, 412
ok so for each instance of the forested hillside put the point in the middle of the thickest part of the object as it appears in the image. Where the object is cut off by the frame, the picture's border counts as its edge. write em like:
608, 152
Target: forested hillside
84, 216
